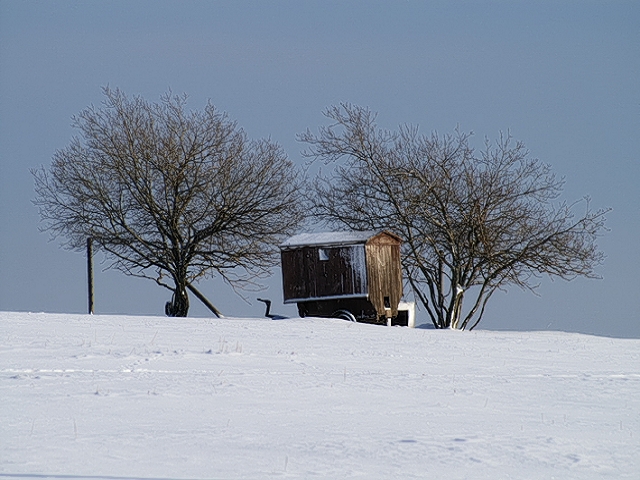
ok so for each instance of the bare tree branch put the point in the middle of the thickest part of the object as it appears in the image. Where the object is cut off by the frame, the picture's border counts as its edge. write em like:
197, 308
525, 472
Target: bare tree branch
473, 222
163, 190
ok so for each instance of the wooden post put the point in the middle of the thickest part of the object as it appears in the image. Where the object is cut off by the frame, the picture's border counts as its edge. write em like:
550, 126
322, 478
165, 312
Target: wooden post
90, 272
204, 300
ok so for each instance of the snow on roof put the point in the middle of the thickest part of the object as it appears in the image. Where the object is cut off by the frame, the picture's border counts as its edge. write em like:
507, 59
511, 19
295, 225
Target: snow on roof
329, 238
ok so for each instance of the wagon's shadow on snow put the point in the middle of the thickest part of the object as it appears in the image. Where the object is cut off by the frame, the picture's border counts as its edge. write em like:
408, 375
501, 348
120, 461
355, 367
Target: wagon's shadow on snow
426, 326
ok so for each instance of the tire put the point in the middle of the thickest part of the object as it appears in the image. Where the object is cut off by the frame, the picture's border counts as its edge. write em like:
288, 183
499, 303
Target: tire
344, 315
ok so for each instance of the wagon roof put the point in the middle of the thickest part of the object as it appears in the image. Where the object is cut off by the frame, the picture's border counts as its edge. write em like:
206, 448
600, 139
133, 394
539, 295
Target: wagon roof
333, 238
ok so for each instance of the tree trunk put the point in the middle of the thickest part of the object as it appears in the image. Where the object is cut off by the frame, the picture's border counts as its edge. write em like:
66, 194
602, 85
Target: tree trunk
179, 304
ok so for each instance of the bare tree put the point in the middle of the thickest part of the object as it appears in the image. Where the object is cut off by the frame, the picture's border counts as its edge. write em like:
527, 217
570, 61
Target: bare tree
473, 222
169, 194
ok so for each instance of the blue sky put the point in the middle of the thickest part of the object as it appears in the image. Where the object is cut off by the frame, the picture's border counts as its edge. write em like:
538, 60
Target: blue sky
564, 77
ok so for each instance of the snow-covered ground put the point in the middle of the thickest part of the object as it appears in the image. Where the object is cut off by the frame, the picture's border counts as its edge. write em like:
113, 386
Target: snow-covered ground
107, 397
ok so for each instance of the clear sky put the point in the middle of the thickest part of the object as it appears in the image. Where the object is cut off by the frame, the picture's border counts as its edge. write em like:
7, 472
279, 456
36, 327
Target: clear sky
564, 77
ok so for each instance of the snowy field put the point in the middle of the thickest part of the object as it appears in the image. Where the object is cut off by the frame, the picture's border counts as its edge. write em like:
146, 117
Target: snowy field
114, 397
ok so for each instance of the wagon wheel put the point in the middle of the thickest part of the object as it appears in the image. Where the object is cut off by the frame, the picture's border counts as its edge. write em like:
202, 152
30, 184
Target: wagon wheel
344, 315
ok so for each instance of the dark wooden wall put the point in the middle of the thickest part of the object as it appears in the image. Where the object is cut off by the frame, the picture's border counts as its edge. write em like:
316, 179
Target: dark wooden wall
305, 275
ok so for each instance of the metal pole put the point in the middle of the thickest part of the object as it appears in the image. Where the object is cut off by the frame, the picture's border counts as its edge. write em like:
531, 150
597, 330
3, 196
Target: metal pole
90, 272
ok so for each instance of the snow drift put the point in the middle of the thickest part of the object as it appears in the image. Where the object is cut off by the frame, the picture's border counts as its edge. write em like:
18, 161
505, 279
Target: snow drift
147, 397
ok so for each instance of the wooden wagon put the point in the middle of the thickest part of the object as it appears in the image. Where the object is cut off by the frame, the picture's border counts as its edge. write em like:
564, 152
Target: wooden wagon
352, 275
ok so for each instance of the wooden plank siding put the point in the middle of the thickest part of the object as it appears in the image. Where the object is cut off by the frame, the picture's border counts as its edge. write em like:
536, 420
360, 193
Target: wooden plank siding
307, 276
355, 271
384, 274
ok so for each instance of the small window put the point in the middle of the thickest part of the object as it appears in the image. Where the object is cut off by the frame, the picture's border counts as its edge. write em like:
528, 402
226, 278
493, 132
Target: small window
387, 302
323, 254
